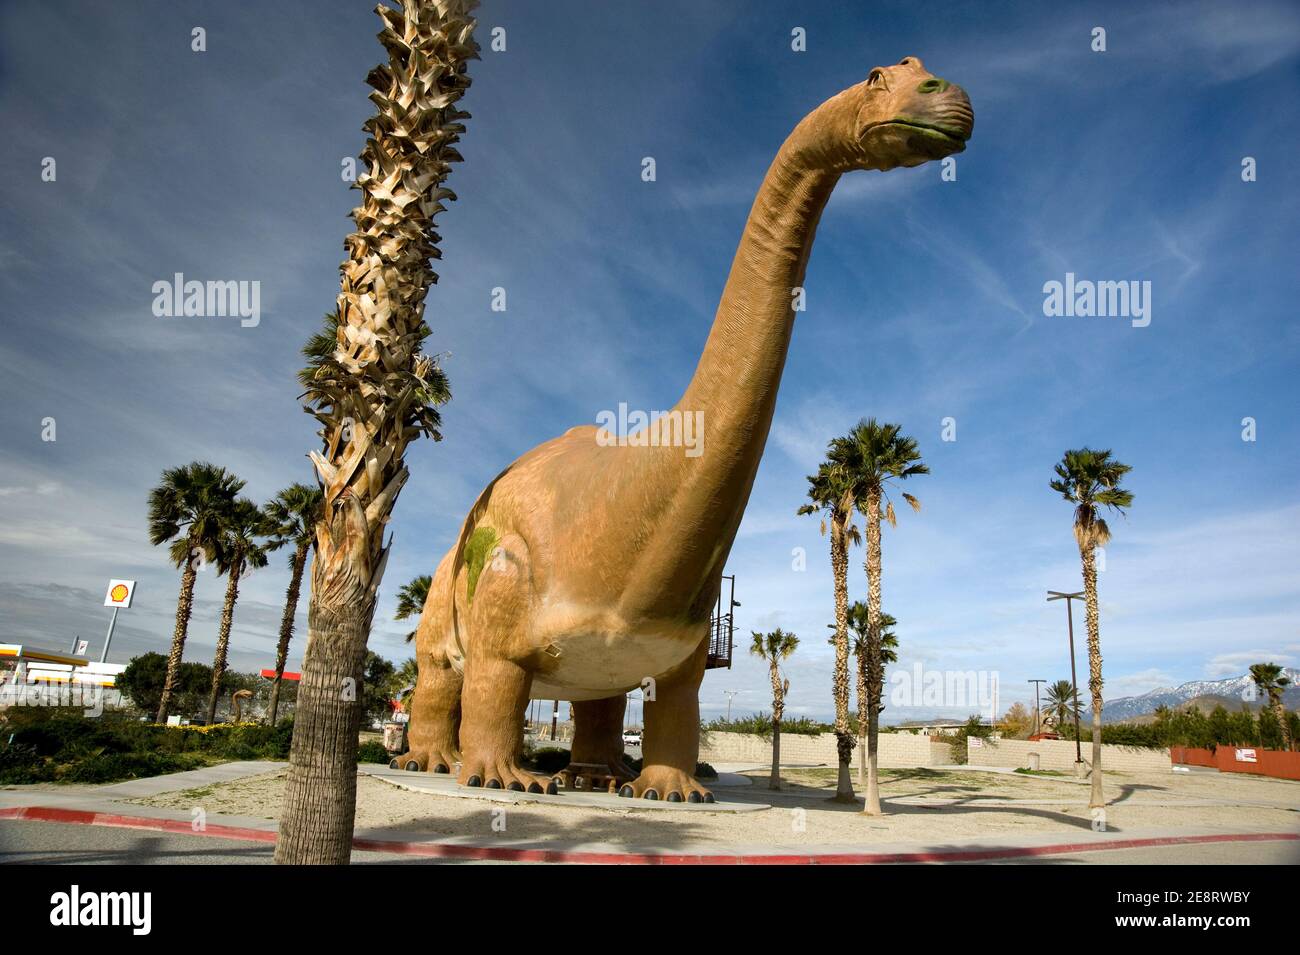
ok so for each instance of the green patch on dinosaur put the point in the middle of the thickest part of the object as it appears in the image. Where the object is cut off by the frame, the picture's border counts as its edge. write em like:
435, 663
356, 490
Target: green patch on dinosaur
480, 544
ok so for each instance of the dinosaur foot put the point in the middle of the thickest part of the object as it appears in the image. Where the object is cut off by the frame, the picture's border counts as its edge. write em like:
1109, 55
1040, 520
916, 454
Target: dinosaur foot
422, 760
503, 774
614, 767
664, 782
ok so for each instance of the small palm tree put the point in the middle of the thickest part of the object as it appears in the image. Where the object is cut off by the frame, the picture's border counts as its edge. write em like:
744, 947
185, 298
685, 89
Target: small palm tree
773, 648
872, 456
410, 600
188, 510
240, 552
1268, 677
407, 675
1061, 703
1089, 480
831, 496
292, 515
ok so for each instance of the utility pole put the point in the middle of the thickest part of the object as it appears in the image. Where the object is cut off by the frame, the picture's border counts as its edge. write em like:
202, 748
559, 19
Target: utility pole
1037, 722
1074, 678
555, 717
731, 694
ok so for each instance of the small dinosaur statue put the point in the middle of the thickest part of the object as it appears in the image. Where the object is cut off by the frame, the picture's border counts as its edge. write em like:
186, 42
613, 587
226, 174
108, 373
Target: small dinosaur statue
237, 702
588, 566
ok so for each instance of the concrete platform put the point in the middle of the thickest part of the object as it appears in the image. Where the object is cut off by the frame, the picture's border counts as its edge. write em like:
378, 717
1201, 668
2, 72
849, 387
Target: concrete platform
443, 784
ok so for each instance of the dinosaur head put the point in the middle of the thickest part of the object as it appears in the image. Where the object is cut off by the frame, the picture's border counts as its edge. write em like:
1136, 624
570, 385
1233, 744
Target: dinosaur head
900, 115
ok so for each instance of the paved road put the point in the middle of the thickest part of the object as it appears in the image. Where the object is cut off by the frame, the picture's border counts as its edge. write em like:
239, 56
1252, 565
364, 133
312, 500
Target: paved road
53, 843
59, 843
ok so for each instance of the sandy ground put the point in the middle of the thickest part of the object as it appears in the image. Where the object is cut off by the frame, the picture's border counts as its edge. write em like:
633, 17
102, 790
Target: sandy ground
923, 805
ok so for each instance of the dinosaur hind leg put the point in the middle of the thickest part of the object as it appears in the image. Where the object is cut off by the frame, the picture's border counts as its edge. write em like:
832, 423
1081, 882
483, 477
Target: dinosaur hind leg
435, 719
491, 732
598, 736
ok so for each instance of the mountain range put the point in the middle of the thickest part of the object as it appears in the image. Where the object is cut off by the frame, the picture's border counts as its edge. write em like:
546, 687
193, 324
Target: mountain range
1238, 688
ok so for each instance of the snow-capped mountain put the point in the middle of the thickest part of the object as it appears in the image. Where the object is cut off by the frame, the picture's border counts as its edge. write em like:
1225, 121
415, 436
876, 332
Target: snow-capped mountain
1236, 688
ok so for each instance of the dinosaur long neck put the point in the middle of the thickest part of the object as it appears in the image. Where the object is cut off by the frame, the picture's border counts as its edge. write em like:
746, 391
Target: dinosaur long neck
735, 384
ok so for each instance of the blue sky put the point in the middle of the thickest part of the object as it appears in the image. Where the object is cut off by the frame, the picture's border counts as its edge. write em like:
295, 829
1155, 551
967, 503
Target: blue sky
924, 302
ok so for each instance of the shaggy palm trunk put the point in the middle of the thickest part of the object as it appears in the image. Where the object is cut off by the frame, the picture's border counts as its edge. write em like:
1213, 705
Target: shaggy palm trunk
862, 719
286, 626
872, 805
184, 607
778, 711
223, 639
840, 680
1094, 668
372, 397
1279, 713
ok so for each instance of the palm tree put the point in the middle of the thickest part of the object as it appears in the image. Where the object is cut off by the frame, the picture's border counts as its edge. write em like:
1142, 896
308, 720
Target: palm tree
1090, 479
411, 598
888, 645
188, 509
376, 392
239, 552
831, 496
1061, 703
872, 455
407, 675
773, 648
1268, 677
292, 516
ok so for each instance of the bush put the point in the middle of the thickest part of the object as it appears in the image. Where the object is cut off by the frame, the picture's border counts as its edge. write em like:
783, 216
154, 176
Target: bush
61, 744
760, 724
372, 751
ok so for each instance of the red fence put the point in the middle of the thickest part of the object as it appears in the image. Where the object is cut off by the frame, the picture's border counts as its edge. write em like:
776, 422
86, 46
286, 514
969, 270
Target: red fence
1240, 759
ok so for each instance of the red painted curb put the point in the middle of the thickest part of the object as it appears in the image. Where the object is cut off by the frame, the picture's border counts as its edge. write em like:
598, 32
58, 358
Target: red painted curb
488, 853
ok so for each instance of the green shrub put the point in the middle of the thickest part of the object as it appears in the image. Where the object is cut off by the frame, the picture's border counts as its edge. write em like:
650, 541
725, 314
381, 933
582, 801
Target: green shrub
372, 751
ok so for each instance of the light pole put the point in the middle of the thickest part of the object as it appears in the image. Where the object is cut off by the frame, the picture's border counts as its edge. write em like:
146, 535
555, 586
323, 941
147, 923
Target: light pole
730, 695
1037, 722
1074, 678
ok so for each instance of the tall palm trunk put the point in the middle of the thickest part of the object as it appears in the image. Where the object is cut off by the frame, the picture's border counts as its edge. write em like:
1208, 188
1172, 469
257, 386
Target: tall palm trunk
840, 681
286, 626
1088, 553
872, 805
862, 718
372, 397
184, 607
223, 638
778, 711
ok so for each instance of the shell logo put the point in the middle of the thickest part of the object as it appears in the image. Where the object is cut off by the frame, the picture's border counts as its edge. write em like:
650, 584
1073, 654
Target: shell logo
118, 593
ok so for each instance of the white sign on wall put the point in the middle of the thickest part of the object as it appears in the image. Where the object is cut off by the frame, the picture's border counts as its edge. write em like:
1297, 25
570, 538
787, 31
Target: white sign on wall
82, 647
119, 593
1246, 756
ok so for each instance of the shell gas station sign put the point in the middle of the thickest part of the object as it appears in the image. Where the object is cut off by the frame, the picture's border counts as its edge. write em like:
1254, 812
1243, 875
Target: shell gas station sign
119, 593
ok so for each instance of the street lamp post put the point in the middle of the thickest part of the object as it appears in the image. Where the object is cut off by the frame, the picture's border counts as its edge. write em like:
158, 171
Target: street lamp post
1038, 723
730, 696
1074, 678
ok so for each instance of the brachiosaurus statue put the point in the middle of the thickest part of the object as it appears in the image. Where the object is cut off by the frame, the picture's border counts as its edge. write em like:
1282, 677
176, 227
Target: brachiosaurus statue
588, 565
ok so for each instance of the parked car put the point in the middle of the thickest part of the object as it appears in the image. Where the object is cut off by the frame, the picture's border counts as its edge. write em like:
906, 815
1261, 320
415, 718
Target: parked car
632, 738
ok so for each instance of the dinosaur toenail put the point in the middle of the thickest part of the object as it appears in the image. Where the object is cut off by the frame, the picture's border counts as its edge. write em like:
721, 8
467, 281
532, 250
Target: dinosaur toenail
693, 797
515, 786
494, 784
534, 787
442, 768
674, 797
412, 766
708, 797
392, 763
473, 781
626, 791
551, 788
652, 794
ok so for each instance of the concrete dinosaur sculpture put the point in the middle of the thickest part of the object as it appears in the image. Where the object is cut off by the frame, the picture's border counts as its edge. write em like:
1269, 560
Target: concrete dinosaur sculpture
590, 565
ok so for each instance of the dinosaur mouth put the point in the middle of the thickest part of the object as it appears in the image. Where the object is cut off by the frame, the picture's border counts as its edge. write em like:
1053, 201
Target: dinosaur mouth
951, 133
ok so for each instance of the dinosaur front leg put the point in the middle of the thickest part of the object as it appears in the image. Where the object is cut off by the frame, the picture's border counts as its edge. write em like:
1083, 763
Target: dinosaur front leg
435, 720
491, 730
672, 736
598, 735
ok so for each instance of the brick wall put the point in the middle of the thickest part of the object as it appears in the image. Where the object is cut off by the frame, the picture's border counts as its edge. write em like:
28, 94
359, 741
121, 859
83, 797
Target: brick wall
1058, 754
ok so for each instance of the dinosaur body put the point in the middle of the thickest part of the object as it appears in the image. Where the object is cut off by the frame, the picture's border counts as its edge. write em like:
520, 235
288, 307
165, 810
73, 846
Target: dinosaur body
590, 566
